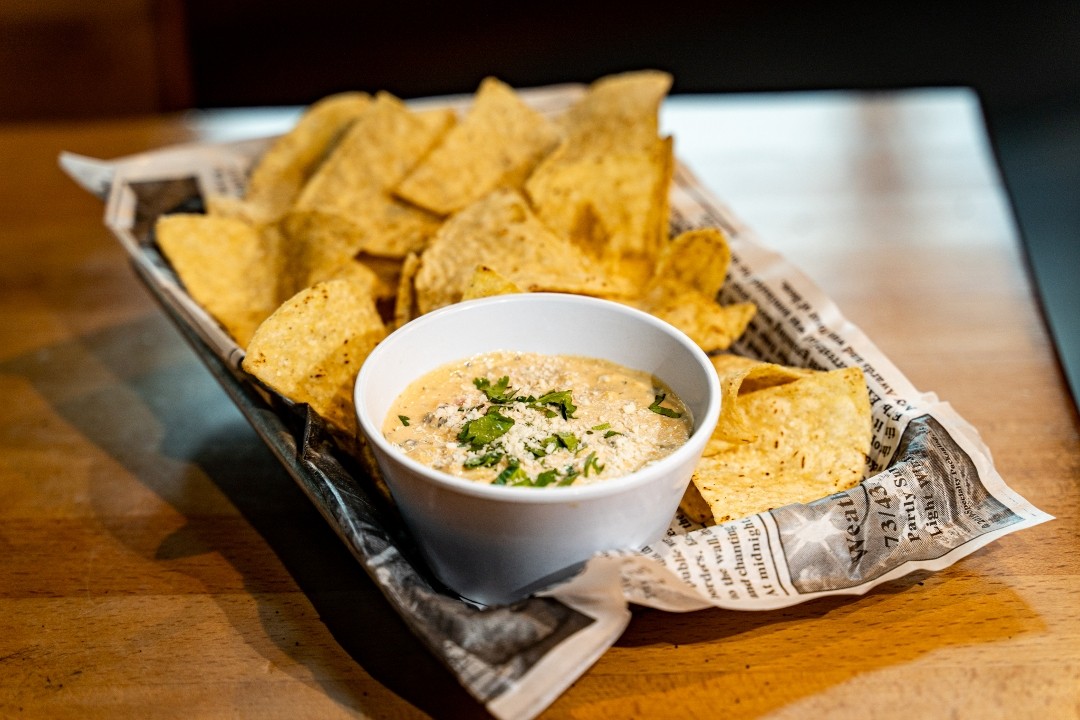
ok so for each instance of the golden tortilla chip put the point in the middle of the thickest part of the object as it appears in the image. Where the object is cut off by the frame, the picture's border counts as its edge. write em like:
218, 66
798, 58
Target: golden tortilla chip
347, 207
618, 110
405, 306
713, 327
767, 375
612, 204
486, 282
740, 377
497, 145
311, 349
280, 174
227, 267
388, 270
697, 259
357, 272
607, 185
689, 274
730, 364
795, 437
501, 232
230, 206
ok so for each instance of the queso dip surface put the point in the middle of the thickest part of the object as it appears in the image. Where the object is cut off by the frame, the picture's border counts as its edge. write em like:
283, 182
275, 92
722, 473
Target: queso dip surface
528, 419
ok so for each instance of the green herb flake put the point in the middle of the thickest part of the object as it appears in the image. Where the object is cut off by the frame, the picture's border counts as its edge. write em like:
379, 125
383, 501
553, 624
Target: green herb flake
499, 393
488, 459
591, 462
571, 475
404, 420
512, 475
545, 478
561, 399
568, 440
666, 412
611, 433
601, 426
485, 429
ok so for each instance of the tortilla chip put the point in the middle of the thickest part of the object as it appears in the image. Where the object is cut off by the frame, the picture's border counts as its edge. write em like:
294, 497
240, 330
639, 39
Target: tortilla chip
766, 375
697, 259
497, 145
281, 173
795, 437
607, 185
312, 347
694, 507
612, 204
690, 271
405, 307
227, 267
501, 233
230, 206
347, 208
486, 282
730, 364
741, 378
387, 270
357, 272
618, 110
712, 327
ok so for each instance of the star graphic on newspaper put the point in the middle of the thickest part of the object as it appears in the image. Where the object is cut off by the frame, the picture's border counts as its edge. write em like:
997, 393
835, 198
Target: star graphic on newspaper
814, 534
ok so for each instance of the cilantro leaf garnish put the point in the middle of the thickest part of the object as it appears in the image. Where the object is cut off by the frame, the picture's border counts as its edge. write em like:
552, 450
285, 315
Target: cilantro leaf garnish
591, 462
488, 459
560, 399
540, 450
512, 475
485, 429
604, 426
666, 412
404, 420
571, 475
531, 402
500, 392
545, 478
568, 440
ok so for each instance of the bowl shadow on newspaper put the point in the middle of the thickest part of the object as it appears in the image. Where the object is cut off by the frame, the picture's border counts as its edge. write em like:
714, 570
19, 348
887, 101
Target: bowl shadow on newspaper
238, 464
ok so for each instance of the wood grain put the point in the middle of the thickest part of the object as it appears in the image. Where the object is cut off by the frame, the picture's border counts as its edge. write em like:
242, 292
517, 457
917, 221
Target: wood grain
155, 561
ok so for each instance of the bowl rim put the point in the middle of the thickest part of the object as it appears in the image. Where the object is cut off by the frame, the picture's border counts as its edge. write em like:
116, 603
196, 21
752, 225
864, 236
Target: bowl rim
558, 494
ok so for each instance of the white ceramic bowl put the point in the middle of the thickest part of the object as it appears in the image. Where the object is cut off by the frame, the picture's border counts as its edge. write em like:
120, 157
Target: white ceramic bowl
496, 544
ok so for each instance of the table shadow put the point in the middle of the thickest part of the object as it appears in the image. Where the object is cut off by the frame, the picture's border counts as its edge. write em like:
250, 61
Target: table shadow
92, 381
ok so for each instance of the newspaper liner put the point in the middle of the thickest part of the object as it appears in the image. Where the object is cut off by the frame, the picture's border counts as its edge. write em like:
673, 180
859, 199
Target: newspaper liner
931, 497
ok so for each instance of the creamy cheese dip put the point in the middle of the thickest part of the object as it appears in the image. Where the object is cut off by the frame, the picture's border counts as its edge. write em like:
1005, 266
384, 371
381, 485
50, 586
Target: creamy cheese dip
515, 418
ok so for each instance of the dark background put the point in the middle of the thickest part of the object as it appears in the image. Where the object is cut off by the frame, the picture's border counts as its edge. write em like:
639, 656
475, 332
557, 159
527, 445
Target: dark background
73, 59
275, 52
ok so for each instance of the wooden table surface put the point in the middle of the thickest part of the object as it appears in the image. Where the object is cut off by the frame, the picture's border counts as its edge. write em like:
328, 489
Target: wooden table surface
156, 562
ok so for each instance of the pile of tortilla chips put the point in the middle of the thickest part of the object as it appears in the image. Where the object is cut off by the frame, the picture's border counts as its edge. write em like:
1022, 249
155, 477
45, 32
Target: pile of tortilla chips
369, 213
785, 435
